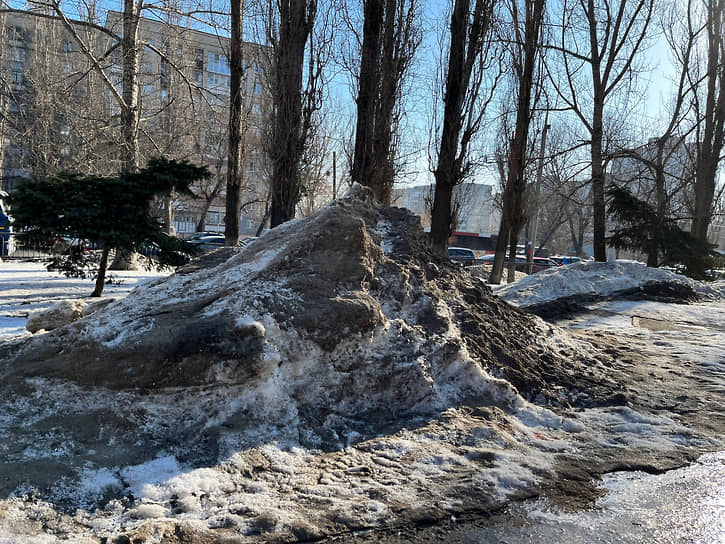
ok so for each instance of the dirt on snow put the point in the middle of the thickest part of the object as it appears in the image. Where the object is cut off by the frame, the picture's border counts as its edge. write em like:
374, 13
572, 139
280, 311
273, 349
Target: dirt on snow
334, 376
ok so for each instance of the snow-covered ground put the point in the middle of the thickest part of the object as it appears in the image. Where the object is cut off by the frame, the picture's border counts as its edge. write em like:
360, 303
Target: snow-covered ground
279, 487
26, 286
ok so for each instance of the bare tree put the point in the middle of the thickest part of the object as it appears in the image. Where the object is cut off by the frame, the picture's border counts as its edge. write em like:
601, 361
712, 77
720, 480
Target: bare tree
289, 127
236, 128
599, 40
390, 39
465, 101
525, 55
711, 129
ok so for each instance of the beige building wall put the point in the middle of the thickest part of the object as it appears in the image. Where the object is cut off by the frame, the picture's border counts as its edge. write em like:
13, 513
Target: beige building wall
478, 211
184, 96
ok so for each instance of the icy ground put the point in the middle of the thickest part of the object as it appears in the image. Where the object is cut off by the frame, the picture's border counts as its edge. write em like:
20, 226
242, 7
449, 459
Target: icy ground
269, 483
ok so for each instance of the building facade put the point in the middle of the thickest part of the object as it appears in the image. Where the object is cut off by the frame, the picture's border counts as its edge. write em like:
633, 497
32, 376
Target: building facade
478, 211
58, 112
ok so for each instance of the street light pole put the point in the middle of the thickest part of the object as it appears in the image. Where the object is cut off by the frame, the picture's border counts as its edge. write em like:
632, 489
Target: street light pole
539, 174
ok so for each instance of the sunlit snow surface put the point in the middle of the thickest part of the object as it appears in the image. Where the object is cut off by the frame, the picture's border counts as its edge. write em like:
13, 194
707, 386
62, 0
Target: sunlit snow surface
362, 480
26, 287
683, 506
594, 278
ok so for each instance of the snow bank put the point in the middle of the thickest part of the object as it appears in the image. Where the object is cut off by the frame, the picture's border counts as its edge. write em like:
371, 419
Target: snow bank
594, 279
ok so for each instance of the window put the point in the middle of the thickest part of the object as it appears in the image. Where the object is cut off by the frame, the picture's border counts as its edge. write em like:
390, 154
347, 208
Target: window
164, 79
218, 63
16, 34
217, 83
148, 89
67, 46
198, 77
18, 55
17, 68
257, 88
215, 218
199, 59
256, 109
68, 67
258, 68
165, 95
251, 168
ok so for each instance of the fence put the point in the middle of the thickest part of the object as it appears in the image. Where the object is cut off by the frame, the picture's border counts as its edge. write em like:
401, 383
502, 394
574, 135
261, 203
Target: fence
12, 247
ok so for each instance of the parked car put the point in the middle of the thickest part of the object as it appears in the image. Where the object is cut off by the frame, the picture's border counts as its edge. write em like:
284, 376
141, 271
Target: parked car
246, 241
461, 255
540, 263
198, 235
68, 245
566, 259
207, 242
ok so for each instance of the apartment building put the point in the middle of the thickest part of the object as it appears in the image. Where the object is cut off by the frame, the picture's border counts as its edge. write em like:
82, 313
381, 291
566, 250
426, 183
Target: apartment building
58, 113
478, 212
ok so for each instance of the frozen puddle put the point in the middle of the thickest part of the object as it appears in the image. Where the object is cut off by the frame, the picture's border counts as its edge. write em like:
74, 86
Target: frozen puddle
683, 506
658, 325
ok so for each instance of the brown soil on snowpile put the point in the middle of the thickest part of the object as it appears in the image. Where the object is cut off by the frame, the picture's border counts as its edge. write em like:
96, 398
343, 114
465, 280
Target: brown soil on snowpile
326, 281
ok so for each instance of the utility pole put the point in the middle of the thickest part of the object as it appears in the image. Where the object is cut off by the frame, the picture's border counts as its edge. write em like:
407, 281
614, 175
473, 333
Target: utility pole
334, 175
539, 174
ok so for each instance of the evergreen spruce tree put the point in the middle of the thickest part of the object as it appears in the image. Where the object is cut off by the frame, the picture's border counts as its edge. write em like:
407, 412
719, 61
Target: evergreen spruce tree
640, 228
108, 212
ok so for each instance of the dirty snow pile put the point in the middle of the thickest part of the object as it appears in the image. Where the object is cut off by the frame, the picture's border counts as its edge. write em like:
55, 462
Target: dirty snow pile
334, 375
597, 279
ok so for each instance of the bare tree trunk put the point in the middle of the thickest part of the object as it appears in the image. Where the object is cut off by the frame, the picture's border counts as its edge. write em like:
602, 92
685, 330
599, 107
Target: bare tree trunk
296, 20
597, 134
363, 158
168, 215
382, 176
129, 107
236, 130
466, 47
389, 42
524, 61
101, 277
123, 259
713, 134
615, 32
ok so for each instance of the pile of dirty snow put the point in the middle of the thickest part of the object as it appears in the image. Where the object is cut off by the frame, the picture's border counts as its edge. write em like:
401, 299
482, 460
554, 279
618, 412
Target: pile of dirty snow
334, 375
597, 280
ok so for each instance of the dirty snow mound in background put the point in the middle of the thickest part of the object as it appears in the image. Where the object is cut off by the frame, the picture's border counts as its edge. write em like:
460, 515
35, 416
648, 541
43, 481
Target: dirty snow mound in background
595, 279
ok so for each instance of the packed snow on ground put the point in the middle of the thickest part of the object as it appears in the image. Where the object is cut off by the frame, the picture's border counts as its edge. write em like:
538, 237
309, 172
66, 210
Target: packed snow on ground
27, 286
597, 280
382, 399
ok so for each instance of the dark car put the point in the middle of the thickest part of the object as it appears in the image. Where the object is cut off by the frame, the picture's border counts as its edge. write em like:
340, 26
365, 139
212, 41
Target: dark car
207, 241
539, 264
461, 255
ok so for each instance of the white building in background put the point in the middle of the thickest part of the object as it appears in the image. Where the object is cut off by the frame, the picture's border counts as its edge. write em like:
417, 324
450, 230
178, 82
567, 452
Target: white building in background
479, 213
